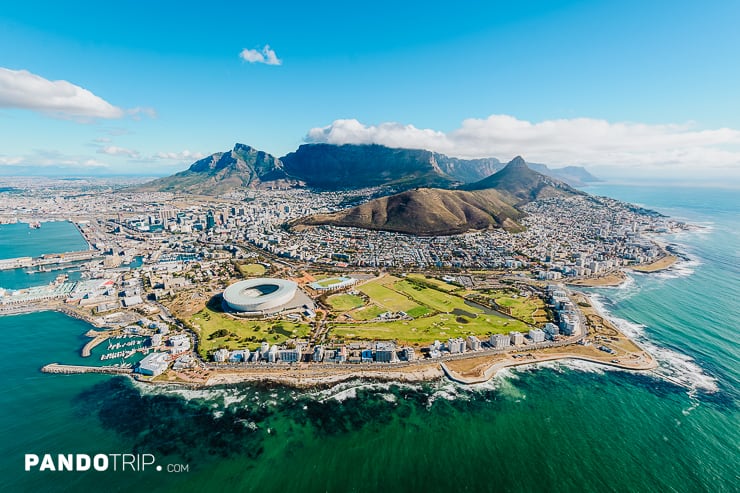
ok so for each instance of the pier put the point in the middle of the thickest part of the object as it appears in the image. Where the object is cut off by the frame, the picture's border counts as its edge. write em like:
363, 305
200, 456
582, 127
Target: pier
76, 369
49, 259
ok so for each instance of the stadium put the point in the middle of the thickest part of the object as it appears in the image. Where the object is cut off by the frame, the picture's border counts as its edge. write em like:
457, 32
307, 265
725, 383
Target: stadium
262, 296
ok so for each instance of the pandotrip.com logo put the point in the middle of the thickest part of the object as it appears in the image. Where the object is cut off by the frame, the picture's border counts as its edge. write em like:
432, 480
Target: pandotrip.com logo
99, 463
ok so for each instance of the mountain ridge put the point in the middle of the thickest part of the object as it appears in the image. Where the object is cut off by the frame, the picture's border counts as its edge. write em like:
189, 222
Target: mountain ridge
331, 167
223, 172
487, 204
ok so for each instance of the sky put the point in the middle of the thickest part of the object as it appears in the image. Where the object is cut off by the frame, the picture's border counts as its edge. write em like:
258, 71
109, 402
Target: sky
626, 88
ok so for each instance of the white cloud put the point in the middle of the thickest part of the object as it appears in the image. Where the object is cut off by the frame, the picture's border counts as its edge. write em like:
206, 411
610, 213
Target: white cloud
119, 151
136, 113
579, 141
266, 55
11, 160
22, 89
50, 158
185, 155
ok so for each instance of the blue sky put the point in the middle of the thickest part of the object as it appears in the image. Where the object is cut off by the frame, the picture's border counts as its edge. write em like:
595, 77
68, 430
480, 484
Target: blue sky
623, 87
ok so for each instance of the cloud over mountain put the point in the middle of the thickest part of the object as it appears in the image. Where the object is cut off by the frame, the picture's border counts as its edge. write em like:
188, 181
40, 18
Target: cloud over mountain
581, 141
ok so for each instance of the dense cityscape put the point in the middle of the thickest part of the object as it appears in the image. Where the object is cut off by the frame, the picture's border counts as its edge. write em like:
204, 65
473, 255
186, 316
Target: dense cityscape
150, 251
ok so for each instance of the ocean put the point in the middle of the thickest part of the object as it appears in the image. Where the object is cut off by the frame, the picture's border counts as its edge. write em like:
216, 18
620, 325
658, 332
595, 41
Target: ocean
553, 427
18, 240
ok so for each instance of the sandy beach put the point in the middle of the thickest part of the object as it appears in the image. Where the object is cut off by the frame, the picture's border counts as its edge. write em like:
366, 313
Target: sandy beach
662, 263
610, 279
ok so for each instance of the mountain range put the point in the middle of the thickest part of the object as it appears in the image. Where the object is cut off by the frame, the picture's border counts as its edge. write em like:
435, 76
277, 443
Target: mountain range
333, 167
439, 195
486, 204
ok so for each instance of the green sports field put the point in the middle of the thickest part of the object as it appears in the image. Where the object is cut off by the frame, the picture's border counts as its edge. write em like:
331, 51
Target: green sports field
437, 314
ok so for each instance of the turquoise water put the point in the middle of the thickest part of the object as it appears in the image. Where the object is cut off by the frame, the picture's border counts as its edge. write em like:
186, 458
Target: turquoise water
556, 427
20, 278
18, 240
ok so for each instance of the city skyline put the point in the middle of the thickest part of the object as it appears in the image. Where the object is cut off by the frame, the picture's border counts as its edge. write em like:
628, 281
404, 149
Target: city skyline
624, 89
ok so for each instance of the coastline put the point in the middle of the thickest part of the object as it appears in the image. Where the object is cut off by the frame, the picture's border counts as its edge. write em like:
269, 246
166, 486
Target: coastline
617, 277
610, 279
659, 265
476, 368
472, 369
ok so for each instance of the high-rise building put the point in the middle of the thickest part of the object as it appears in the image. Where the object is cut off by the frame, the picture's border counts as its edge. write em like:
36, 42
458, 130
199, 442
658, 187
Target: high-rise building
537, 335
210, 220
500, 341
456, 345
385, 352
473, 343
517, 338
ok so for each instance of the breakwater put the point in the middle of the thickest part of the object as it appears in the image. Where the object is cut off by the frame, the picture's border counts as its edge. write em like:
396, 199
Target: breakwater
76, 369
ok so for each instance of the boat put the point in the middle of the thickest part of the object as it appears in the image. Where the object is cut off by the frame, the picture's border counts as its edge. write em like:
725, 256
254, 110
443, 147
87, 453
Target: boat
34, 224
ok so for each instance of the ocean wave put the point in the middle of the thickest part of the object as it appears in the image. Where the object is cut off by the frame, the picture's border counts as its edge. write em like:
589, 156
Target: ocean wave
677, 368
348, 390
682, 268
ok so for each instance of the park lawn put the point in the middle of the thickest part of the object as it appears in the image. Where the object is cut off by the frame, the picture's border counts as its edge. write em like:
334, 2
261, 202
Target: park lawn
445, 286
425, 330
252, 270
368, 312
387, 298
522, 307
242, 333
436, 300
344, 302
418, 312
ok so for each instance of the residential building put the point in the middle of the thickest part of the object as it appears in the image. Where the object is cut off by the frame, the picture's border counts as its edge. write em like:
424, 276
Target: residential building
500, 341
537, 335
221, 355
385, 352
517, 338
473, 343
456, 345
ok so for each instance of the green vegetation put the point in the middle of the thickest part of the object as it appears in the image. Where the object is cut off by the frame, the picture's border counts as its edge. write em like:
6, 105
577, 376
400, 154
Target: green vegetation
436, 300
367, 312
531, 309
422, 279
437, 314
417, 312
216, 329
252, 270
345, 302
426, 329
386, 297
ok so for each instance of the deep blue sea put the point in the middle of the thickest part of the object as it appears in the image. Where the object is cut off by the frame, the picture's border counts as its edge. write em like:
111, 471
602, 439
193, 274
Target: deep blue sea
555, 427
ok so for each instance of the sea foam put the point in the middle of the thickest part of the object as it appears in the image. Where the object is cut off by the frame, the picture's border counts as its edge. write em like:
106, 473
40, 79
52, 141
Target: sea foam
674, 367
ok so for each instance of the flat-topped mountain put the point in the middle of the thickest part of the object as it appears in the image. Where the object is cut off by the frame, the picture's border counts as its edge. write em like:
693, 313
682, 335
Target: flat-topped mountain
224, 172
333, 167
337, 167
522, 184
425, 212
